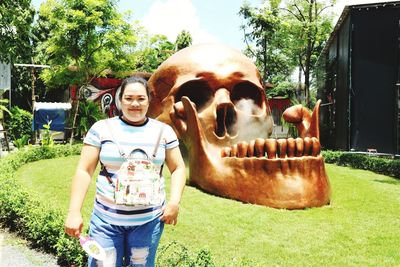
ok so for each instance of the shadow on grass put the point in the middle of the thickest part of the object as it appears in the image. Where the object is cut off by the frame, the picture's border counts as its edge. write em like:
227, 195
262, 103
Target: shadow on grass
395, 182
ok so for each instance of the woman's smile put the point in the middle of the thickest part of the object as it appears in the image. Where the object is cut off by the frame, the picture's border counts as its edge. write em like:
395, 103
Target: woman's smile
134, 103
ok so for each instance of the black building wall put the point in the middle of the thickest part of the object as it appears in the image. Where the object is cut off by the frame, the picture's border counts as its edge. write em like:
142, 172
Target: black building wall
374, 65
362, 70
342, 92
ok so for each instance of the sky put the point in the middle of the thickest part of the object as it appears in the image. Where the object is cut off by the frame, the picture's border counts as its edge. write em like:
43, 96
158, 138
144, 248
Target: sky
206, 20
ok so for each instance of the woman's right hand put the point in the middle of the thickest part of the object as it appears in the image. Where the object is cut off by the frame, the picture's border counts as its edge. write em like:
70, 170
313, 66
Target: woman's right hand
73, 224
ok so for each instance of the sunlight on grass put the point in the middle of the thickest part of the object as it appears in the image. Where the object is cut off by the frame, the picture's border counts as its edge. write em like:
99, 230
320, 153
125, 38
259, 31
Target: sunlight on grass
361, 227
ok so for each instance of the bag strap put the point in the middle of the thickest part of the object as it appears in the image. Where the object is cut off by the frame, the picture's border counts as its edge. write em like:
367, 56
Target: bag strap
115, 140
107, 175
158, 142
122, 152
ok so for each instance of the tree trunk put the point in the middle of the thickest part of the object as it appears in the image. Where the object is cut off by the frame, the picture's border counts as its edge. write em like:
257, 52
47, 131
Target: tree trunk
71, 139
299, 78
265, 63
307, 86
307, 64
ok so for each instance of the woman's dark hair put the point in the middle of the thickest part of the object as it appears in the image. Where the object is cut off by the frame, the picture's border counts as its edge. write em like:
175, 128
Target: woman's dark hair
133, 79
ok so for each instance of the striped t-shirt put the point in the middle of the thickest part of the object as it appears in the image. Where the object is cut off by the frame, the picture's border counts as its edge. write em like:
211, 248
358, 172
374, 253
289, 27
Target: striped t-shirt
129, 137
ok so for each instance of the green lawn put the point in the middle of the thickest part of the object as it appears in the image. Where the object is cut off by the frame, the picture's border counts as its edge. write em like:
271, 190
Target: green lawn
361, 227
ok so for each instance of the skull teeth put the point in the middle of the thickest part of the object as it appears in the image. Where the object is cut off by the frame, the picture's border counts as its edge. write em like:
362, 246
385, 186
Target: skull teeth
274, 148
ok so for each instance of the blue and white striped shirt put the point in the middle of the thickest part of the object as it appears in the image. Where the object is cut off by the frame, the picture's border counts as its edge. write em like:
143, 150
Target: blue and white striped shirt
130, 137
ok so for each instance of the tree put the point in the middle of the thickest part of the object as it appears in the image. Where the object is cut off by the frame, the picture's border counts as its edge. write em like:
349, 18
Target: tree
16, 17
16, 35
86, 39
287, 34
184, 39
310, 28
266, 38
154, 51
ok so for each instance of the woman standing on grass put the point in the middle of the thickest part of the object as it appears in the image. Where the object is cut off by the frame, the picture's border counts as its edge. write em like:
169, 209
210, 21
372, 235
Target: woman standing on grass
129, 211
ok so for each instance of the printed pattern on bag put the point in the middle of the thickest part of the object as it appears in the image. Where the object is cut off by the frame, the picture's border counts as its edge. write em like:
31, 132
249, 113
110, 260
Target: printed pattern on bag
138, 183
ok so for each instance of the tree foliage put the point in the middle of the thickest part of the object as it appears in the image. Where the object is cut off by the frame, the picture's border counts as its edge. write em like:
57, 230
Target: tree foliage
16, 36
16, 17
20, 123
284, 34
89, 113
266, 39
154, 51
184, 39
84, 40
310, 25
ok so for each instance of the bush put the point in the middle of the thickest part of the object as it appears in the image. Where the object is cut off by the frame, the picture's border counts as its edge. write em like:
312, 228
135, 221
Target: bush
21, 142
23, 213
386, 166
89, 113
19, 123
176, 254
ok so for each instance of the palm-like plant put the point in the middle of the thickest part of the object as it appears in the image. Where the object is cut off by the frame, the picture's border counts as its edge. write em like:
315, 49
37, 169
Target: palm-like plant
3, 105
89, 112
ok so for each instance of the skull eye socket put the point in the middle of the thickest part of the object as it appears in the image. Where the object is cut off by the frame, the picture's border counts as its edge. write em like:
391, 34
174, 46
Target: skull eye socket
198, 92
247, 97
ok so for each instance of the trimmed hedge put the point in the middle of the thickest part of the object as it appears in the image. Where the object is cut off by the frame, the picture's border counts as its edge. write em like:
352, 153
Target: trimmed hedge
43, 226
386, 166
40, 224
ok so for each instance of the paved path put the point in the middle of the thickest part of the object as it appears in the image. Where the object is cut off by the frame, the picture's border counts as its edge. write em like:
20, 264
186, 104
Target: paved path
14, 252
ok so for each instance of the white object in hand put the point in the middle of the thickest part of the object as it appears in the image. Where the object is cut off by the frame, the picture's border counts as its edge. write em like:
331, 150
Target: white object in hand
92, 248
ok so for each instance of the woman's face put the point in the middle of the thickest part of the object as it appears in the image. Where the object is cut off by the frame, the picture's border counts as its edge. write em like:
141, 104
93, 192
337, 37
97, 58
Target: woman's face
134, 103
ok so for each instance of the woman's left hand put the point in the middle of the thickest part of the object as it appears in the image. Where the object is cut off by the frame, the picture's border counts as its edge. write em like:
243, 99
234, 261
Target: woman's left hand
170, 214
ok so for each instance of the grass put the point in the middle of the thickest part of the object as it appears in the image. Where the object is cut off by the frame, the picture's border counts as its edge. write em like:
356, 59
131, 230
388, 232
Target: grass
361, 227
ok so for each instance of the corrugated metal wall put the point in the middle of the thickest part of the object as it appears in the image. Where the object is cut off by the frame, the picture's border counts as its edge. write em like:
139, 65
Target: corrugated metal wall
342, 88
373, 78
362, 69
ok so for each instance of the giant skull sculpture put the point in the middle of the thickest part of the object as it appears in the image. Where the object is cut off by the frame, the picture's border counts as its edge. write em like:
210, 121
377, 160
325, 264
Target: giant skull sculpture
213, 97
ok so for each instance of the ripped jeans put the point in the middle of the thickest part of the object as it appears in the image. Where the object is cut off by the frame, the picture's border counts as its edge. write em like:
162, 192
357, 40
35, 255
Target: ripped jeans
134, 245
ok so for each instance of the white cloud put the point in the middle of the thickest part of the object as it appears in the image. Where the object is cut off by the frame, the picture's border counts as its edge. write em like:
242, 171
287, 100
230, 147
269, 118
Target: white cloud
170, 17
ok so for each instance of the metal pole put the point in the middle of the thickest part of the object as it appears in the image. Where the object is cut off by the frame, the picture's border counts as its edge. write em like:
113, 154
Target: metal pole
9, 98
33, 101
33, 88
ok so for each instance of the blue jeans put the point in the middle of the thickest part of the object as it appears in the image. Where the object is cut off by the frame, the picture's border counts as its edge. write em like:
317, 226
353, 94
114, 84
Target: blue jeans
134, 245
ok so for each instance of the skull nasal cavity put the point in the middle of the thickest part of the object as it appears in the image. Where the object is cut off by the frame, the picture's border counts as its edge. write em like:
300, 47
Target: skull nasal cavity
226, 119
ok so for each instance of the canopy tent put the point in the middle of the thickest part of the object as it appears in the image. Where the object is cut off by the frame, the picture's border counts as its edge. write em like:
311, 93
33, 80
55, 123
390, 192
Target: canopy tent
46, 112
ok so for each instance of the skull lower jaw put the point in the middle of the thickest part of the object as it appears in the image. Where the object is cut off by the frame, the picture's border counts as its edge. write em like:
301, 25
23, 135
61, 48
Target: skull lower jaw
290, 183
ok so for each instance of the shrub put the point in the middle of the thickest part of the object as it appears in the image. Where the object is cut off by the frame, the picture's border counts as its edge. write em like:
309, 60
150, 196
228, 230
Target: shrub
23, 213
89, 113
47, 139
13, 205
19, 123
176, 254
21, 142
386, 166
